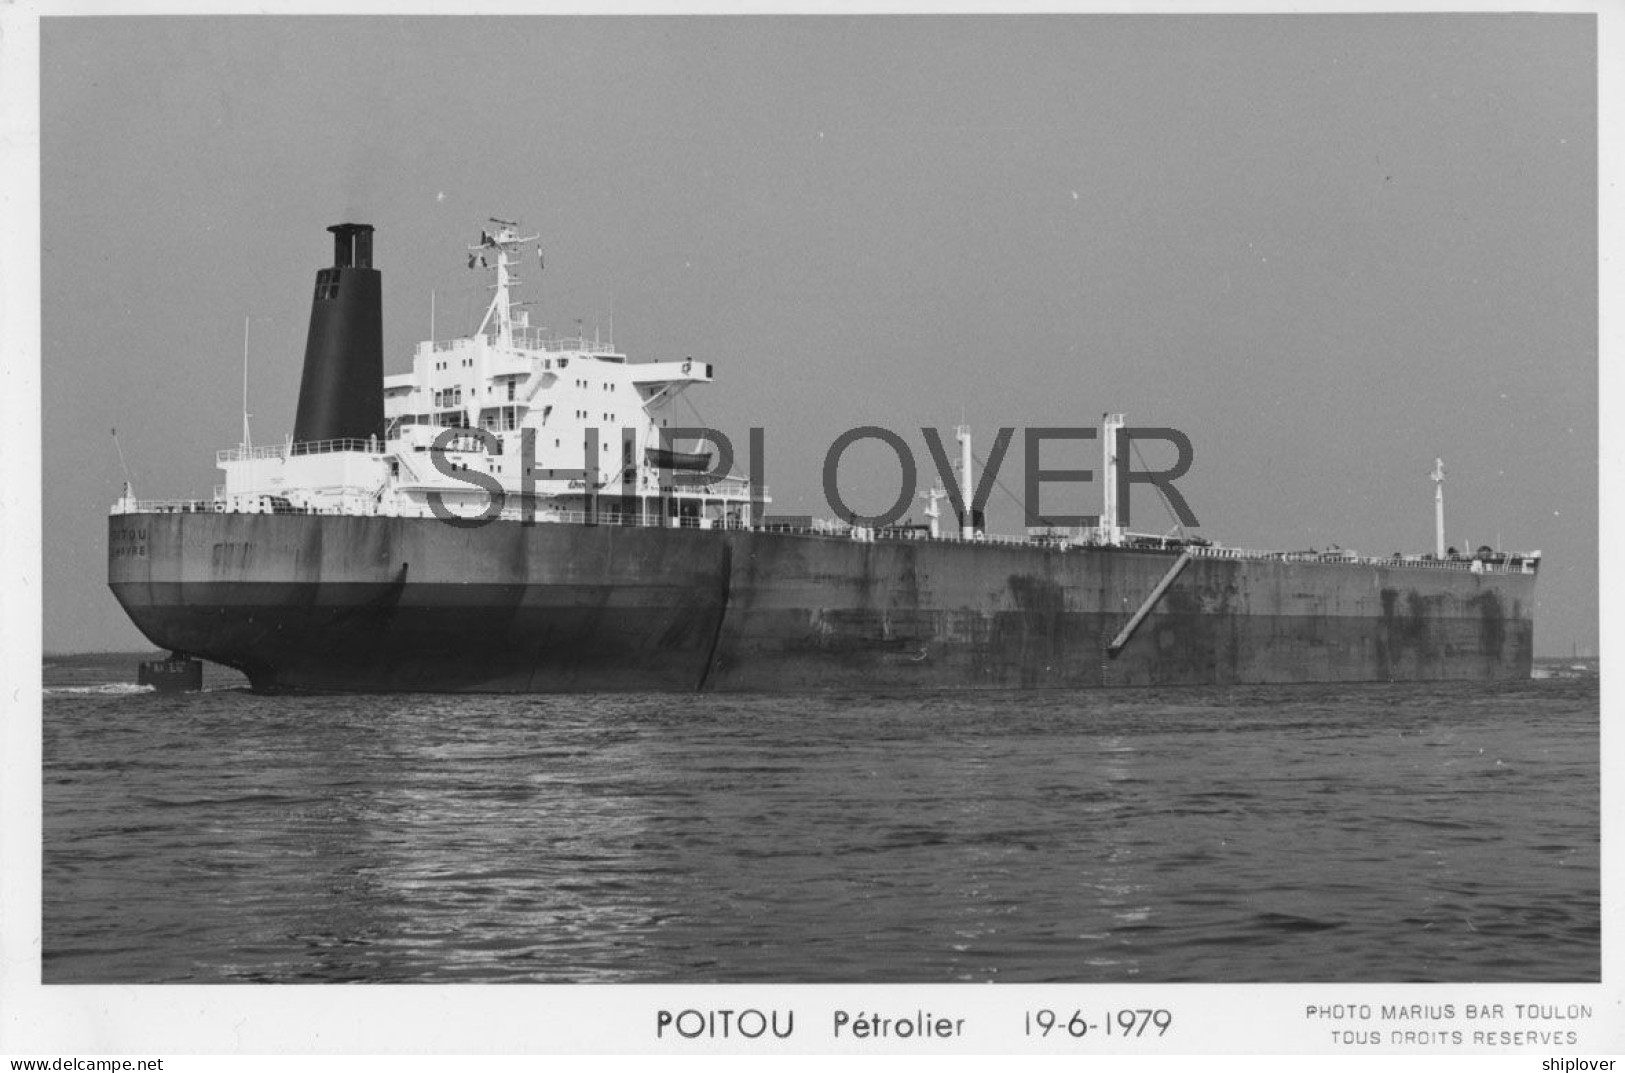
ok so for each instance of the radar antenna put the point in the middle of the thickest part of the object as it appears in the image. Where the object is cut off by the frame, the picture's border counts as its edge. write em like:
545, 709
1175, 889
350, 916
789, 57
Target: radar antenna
502, 243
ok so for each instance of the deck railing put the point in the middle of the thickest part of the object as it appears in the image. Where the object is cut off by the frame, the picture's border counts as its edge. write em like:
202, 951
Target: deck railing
164, 506
1509, 564
519, 512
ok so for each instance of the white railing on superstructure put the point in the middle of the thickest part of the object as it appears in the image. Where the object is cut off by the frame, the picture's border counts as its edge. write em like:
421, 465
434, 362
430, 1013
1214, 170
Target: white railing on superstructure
305, 447
532, 339
164, 506
737, 486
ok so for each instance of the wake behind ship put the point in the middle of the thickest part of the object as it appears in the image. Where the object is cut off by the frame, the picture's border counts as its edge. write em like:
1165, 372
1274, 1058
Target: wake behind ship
509, 517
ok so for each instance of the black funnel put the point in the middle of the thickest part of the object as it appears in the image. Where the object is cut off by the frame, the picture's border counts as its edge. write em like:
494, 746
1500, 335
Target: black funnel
341, 395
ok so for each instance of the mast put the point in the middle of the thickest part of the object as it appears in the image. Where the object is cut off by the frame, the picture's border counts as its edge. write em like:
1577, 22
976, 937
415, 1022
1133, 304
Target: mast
1111, 531
967, 520
503, 242
1438, 507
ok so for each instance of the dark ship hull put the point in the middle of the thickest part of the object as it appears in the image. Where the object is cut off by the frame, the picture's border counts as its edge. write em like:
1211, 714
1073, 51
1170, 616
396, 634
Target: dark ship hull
383, 604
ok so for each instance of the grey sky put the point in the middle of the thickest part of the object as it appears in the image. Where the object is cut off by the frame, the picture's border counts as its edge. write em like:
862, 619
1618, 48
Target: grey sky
1326, 247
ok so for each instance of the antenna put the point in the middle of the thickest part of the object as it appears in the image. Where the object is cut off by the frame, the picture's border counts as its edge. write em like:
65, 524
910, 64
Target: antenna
247, 442
121, 465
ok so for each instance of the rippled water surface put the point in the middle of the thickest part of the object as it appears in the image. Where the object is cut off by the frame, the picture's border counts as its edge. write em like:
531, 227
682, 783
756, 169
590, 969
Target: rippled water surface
1388, 832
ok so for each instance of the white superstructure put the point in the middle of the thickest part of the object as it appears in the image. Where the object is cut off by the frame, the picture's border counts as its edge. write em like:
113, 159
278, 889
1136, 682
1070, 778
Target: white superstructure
561, 427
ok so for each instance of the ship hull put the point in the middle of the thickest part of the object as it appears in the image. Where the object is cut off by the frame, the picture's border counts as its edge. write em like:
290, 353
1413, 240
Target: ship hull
385, 604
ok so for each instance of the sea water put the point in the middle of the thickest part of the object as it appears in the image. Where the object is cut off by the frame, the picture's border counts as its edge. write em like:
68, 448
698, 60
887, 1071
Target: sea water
1393, 832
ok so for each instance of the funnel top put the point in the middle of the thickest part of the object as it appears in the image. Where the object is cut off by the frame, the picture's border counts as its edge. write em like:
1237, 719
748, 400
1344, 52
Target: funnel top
352, 245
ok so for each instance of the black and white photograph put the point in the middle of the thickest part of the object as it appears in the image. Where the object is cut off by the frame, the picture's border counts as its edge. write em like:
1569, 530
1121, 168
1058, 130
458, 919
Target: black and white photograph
807, 531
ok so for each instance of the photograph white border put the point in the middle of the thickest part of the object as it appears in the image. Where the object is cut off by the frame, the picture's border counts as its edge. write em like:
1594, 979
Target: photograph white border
38, 1020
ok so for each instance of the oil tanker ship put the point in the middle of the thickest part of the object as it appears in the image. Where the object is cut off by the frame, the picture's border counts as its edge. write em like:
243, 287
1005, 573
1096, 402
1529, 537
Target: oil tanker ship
512, 515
